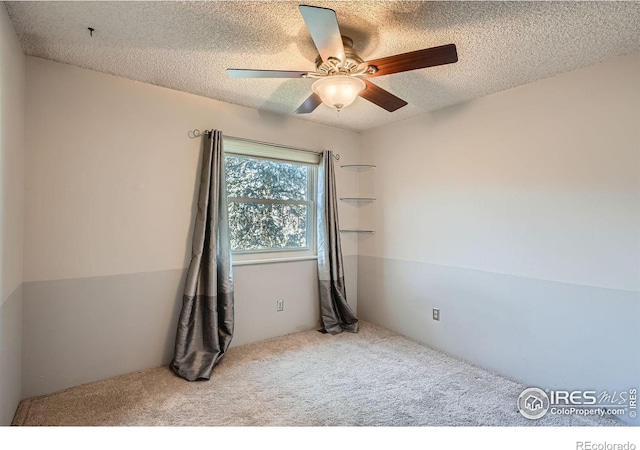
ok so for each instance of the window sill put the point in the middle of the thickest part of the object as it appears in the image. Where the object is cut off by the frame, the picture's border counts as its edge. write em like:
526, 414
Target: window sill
250, 262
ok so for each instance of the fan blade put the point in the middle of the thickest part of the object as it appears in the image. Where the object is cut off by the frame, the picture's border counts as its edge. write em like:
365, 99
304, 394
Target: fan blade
382, 98
429, 57
309, 104
325, 32
248, 73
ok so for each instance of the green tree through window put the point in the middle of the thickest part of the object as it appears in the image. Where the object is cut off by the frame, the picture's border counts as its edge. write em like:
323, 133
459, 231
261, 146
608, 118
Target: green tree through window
270, 204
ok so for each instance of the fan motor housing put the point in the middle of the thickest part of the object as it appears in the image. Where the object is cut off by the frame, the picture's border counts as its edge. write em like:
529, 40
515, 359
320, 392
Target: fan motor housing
334, 66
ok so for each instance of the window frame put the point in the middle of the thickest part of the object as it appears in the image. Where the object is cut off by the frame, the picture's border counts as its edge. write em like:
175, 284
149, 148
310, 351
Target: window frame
254, 256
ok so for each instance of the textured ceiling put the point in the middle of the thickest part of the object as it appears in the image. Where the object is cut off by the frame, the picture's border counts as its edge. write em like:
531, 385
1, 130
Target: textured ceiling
188, 45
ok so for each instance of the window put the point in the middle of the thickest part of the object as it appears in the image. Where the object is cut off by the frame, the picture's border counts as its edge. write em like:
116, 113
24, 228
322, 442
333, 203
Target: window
271, 195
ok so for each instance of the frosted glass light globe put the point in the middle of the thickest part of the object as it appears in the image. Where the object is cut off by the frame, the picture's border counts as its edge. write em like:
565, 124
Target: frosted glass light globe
338, 91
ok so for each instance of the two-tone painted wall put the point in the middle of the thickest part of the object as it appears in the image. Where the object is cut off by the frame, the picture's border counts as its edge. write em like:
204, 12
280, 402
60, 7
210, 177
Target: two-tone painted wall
518, 216
12, 92
111, 180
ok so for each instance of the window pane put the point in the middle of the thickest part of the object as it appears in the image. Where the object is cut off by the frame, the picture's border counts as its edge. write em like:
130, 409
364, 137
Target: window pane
259, 226
261, 178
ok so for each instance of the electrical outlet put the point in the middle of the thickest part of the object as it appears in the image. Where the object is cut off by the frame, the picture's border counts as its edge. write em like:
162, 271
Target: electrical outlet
436, 314
280, 305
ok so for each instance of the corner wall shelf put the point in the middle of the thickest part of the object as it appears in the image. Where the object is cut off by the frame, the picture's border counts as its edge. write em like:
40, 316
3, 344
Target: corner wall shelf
358, 231
358, 167
358, 199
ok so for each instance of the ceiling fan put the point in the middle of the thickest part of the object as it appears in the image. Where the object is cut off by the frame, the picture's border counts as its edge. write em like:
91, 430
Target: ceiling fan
341, 74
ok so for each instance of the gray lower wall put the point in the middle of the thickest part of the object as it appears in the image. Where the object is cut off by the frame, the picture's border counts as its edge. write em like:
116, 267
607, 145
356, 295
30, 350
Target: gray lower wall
544, 333
82, 330
10, 355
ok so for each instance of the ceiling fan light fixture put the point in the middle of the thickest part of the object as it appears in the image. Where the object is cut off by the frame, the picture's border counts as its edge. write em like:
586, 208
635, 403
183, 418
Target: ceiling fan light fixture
338, 91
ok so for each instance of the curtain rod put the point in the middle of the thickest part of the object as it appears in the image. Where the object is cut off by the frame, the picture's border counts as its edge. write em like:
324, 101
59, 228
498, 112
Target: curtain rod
197, 133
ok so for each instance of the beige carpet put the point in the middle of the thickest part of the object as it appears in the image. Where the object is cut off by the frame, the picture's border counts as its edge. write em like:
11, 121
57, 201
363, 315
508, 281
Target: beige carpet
372, 378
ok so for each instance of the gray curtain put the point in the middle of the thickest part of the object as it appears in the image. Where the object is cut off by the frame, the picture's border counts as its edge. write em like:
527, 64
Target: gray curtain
335, 313
205, 327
